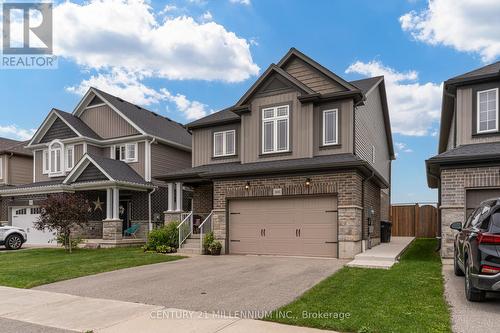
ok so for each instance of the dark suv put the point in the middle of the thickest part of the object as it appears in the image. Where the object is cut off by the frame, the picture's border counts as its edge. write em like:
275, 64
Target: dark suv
477, 250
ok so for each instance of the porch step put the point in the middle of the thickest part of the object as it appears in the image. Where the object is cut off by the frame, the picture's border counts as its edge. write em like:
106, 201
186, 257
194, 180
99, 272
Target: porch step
189, 250
191, 246
192, 241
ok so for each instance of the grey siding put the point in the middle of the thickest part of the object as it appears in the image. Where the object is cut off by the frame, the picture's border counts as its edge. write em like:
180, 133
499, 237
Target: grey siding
91, 149
311, 77
166, 159
301, 129
58, 130
370, 131
203, 145
91, 173
466, 120
78, 152
139, 166
20, 170
345, 135
106, 122
39, 176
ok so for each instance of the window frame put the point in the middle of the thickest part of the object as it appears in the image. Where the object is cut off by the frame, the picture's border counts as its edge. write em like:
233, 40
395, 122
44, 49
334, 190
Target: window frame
323, 115
45, 162
478, 108
124, 150
275, 120
66, 150
61, 149
224, 143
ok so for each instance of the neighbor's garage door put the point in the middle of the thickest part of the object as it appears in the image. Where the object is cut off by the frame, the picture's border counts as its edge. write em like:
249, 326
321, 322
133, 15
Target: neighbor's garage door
24, 217
476, 196
299, 226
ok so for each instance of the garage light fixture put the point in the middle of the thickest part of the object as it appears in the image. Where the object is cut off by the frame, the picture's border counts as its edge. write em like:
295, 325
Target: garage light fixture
308, 181
247, 185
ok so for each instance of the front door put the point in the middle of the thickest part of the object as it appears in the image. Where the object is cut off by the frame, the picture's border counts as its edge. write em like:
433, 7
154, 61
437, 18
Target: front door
124, 211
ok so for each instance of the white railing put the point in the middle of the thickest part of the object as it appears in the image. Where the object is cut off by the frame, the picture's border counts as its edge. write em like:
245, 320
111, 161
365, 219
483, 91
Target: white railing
185, 227
205, 227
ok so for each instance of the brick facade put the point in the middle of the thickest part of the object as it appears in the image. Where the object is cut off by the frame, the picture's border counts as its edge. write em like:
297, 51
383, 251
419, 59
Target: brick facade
454, 183
203, 199
372, 201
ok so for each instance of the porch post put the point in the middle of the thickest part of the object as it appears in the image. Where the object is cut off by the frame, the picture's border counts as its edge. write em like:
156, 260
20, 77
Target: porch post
170, 197
116, 203
178, 200
109, 204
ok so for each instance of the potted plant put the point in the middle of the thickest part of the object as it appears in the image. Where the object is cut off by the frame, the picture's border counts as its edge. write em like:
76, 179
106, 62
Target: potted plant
215, 248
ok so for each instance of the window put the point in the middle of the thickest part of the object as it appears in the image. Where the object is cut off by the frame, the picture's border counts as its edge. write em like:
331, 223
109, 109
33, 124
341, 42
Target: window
224, 143
70, 157
275, 129
330, 127
55, 158
1, 167
487, 110
21, 211
35, 210
45, 161
126, 152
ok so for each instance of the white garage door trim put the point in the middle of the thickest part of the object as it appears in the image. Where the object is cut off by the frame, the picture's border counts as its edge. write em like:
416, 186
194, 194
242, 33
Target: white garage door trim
24, 217
291, 231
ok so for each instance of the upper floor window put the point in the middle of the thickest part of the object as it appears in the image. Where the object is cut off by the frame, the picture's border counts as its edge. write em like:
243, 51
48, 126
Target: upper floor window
487, 110
224, 143
126, 152
70, 157
56, 158
275, 129
330, 127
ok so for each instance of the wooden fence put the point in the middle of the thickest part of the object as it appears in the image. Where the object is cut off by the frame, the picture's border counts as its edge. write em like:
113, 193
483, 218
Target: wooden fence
414, 220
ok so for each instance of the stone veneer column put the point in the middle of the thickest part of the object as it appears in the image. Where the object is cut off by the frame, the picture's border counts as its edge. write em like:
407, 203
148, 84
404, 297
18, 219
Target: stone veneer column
112, 229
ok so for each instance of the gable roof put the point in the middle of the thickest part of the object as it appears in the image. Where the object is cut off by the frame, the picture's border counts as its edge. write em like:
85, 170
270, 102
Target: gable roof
293, 52
114, 170
147, 122
9, 146
367, 85
478, 73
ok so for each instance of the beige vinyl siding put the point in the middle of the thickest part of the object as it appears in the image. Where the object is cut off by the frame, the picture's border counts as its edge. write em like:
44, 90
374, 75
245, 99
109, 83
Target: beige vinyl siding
166, 159
20, 170
311, 77
465, 119
78, 152
106, 122
139, 166
345, 128
39, 176
301, 135
370, 131
203, 145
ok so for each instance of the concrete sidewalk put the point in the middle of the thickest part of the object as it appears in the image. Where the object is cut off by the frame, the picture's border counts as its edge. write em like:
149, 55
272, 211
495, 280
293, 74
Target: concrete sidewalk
382, 256
57, 311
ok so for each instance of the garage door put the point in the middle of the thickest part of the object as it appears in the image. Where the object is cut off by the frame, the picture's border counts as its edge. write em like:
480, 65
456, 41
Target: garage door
476, 196
23, 217
301, 226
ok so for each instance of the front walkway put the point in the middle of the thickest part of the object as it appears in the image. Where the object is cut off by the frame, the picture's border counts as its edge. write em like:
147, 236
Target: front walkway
382, 256
25, 309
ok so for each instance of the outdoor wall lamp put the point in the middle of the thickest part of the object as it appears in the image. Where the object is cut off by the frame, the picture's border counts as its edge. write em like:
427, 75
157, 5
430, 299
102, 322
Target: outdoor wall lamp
308, 181
247, 185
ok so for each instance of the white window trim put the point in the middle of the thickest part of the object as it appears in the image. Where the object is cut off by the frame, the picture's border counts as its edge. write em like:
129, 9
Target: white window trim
62, 157
45, 162
479, 113
125, 158
275, 120
224, 143
68, 148
336, 127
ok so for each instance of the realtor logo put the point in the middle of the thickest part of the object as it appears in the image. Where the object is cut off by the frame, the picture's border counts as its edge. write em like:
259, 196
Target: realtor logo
27, 35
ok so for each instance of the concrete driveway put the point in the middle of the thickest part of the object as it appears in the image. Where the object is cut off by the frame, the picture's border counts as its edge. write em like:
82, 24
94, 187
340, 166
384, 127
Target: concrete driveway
468, 316
225, 284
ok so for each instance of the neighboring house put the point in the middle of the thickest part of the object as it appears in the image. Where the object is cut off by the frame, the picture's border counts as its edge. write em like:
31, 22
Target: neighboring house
111, 151
296, 166
466, 170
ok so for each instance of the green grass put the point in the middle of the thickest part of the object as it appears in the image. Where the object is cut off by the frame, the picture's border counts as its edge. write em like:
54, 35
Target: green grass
33, 267
406, 298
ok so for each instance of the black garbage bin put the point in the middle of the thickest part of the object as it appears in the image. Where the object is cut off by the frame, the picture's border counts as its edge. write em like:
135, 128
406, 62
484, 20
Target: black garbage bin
385, 231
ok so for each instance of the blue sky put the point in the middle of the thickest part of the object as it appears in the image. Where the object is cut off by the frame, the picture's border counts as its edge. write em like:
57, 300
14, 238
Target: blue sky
187, 58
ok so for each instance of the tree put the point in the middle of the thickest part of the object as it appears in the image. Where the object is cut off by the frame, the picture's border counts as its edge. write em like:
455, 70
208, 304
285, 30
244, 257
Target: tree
60, 213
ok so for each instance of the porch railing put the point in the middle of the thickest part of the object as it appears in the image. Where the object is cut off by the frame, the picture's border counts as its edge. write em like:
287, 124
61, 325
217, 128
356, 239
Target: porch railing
205, 227
185, 227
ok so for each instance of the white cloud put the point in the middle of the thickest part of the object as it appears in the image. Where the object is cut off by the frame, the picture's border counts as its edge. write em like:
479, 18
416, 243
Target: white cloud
241, 2
403, 147
466, 25
130, 87
207, 17
16, 133
127, 34
414, 107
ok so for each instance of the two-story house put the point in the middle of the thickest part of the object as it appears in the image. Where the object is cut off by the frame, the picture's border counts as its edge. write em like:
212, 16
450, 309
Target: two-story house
466, 170
295, 167
111, 151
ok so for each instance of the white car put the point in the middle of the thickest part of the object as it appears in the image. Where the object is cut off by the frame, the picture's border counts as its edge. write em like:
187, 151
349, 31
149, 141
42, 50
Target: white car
12, 237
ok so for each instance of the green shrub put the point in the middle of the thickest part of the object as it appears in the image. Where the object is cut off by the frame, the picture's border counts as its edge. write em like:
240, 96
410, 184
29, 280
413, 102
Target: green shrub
165, 249
167, 235
215, 248
208, 239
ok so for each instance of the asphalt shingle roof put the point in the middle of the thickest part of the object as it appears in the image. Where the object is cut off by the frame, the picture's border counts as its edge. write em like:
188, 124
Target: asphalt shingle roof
366, 84
470, 151
118, 170
150, 122
490, 69
14, 146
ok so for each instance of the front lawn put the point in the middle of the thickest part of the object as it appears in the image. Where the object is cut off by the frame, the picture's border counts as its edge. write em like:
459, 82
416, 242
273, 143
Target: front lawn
406, 298
34, 267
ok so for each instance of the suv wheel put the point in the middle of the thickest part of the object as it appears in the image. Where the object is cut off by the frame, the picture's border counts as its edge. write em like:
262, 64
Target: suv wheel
471, 293
456, 268
14, 242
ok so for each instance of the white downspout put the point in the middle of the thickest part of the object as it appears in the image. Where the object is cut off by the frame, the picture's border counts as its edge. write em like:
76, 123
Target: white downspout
149, 208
